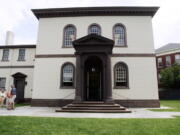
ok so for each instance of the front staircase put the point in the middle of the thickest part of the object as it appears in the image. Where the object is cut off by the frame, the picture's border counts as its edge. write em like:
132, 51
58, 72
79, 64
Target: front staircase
94, 107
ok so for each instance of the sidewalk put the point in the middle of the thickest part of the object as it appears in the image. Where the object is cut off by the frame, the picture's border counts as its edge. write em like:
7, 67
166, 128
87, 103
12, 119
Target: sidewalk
50, 112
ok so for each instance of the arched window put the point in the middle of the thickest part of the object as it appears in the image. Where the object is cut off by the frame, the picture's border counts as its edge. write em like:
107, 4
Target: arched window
94, 29
121, 75
67, 75
69, 35
119, 35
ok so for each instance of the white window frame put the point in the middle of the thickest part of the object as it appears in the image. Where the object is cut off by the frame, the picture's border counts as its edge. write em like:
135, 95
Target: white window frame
119, 32
67, 75
94, 29
168, 60
69, 35
22, 54
121, 76
5, 56
1, 83
177, 58
160, 62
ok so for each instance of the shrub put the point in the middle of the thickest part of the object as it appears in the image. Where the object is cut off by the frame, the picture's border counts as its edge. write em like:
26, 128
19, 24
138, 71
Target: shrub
170, 77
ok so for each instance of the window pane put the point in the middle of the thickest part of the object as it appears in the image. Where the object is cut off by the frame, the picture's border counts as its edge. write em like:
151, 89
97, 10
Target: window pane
2, 83
177, 58
94, 29
69, 36
160, 62
121, 75
168, 60
5, 56
119, 35
68, 75
21, 55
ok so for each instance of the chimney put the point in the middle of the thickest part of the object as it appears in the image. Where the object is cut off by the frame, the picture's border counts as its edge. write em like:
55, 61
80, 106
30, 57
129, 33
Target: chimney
9, 38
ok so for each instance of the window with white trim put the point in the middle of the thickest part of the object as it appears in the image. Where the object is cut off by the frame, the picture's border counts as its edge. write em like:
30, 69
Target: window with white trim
5, 56
94, 29
168, 60
160, 64
69, 35
119, 35
177, 58
121, 75
21, 56
67, 75
2, 83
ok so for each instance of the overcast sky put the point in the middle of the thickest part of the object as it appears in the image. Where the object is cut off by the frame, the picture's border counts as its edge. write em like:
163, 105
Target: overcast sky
16, 16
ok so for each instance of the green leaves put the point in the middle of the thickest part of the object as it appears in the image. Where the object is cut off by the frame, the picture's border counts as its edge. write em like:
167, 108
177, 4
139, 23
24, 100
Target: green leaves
170, 77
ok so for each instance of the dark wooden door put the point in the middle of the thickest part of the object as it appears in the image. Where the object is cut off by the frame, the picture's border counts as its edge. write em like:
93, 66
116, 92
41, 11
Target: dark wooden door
94, 86
19, 84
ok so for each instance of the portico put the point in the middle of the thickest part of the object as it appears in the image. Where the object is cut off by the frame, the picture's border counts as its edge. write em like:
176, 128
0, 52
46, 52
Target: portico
93, 68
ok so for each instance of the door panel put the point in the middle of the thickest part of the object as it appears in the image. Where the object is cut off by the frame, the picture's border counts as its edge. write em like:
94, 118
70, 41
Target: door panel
19, 84
93, 75
94, 86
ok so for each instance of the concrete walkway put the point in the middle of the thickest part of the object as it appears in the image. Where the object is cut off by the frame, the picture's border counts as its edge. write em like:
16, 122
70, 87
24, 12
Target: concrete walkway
50, 112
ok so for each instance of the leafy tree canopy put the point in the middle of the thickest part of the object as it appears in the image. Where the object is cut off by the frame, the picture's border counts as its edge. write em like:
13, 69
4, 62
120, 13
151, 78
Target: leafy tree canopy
170, 77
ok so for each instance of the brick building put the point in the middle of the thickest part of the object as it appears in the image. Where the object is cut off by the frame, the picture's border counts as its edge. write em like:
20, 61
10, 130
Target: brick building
167, 55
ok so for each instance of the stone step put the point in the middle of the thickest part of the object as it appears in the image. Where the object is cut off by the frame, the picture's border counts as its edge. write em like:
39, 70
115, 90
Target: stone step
94, 105
92, 108
93, 102
95, 111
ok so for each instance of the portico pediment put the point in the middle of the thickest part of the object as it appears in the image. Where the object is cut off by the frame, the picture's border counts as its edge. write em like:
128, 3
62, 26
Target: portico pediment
93, 39
20, 75
93, 43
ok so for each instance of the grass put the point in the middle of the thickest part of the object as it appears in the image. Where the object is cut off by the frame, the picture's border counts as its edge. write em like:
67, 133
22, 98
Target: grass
68, 126
19, 105
173, 104
13, 125
22, 104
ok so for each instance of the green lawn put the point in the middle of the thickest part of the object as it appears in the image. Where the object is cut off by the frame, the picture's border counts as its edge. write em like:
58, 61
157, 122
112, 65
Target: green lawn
69, 126
11, 125
174, 104
22, 104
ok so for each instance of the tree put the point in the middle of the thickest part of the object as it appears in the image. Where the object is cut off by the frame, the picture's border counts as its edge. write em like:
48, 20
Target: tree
170, 77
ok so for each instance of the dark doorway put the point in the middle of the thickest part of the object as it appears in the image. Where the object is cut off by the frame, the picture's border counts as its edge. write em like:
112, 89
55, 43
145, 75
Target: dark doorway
93, 77
19, 82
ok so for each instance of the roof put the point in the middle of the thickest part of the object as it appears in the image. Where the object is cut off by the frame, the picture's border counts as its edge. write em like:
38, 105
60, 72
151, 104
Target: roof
95, 11
16, 46
168, 47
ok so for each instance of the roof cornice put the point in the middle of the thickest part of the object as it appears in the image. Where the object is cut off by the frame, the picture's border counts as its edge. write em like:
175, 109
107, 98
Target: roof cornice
16, 46
168, 51
95, 11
